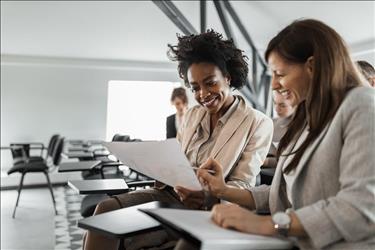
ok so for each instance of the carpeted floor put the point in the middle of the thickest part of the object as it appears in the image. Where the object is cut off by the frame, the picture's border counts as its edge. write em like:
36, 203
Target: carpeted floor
67, 234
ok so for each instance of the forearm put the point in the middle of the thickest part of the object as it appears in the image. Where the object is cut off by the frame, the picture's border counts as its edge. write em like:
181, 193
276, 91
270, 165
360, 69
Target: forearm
239, 196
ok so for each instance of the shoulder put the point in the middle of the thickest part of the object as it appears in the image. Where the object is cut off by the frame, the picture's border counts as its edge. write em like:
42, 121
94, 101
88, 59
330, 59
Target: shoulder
359, 99
171, 117
194, 112
254, 113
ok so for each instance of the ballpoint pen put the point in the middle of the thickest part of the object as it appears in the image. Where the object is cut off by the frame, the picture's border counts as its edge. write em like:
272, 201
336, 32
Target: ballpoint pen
208, 170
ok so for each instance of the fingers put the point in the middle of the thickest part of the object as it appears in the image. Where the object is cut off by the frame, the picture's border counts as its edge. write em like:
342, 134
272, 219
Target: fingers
188, 194
204, 177
212, 164
230, 223
224, 215
184, 191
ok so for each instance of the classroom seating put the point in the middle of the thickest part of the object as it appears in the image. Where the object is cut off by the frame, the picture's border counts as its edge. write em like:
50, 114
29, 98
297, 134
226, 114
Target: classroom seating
35, 166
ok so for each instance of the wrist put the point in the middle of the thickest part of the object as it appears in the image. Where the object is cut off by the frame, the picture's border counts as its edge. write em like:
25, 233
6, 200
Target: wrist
224, 192
268, 227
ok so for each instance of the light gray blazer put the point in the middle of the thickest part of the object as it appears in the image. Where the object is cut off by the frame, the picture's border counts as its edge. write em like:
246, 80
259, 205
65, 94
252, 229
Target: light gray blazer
334, 191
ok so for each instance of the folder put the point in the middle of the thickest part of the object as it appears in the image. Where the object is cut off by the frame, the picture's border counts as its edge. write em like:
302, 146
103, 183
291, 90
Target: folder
198, 228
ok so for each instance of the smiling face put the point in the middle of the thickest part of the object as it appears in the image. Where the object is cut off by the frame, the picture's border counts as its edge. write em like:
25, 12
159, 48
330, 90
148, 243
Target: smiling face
291, 80
210, 87
282, 106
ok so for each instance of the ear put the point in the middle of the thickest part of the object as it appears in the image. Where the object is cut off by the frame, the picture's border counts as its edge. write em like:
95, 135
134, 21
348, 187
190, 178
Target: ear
310, 66
228, 79
372, 81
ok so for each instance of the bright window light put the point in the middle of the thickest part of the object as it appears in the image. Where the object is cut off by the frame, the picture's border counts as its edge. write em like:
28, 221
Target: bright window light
139, 109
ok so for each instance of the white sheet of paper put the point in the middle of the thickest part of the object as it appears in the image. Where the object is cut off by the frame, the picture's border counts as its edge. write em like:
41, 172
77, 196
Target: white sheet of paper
162, 160
199, 224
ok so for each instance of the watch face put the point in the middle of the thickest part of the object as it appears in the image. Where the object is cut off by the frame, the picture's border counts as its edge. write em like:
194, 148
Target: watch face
280, 218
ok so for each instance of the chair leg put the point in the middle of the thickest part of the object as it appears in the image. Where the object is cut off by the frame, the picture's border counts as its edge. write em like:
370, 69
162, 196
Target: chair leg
19, 193
50, 189
102, 173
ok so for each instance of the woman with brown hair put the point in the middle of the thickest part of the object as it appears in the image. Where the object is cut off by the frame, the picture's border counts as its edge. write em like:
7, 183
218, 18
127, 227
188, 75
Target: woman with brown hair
324, 186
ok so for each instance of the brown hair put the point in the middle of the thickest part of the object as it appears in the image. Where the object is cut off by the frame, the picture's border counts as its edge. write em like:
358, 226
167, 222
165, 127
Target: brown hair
179, 92
334, 74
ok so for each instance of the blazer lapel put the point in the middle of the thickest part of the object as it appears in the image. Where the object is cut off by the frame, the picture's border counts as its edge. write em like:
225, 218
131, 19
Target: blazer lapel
305, 159
278, 197
309, 152
190, 130
230, 127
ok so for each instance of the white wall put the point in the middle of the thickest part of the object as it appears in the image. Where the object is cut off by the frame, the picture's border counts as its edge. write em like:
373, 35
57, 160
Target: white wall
42, 96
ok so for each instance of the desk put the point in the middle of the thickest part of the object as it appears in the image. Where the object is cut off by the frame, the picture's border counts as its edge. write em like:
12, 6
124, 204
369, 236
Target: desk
78, 166
124, 222
79, 154
108, 186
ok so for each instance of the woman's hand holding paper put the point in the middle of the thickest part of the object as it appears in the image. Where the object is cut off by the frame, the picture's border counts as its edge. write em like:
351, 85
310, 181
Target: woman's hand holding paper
191, 199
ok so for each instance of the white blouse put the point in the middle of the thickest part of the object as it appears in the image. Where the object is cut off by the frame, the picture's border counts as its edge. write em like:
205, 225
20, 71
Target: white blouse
289, 177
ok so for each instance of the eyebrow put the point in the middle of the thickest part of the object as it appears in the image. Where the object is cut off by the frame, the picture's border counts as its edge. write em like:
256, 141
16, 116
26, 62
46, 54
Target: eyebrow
205, 79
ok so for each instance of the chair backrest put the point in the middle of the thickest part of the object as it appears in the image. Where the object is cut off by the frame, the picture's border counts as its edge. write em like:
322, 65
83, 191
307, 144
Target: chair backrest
22, 150
51, 144
119, 137
19, 153
56, 155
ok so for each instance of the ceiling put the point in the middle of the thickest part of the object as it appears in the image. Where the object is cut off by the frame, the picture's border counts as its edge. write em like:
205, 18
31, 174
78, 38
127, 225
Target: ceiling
139, 30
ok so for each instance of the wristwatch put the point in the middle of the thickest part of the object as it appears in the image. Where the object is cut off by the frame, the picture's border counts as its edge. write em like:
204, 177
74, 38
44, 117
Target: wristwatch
281, 222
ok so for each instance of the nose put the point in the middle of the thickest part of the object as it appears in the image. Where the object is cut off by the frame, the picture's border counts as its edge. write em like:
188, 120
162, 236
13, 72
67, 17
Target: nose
275, 84
203, 93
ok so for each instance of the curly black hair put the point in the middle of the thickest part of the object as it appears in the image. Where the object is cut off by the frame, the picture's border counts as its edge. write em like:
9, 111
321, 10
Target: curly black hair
210, 47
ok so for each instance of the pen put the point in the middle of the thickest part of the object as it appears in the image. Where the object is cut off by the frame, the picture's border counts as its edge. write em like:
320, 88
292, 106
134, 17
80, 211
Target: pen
208, 170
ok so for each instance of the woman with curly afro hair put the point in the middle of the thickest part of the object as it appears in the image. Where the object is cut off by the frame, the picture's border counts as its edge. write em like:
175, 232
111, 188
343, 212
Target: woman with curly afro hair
222, 127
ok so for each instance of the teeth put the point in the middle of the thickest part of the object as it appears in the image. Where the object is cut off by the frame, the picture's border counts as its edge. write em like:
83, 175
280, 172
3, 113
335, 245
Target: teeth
284, 92
209, 102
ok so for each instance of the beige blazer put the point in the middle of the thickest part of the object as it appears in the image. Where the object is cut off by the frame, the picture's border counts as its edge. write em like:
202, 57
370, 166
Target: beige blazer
242, 145
333, 194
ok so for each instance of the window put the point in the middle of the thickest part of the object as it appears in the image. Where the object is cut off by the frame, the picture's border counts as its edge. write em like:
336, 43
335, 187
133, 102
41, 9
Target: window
139, 109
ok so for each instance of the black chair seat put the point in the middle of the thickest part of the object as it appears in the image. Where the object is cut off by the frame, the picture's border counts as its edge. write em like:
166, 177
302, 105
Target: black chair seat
36, 159
89, 203
30, 167
266, 175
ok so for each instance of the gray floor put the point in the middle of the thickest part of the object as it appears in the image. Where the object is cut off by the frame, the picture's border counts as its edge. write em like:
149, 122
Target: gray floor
33, 227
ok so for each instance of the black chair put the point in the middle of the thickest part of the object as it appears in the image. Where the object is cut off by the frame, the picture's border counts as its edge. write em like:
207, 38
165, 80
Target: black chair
34, 167
104, 169
21, 152
89, 202
266, 175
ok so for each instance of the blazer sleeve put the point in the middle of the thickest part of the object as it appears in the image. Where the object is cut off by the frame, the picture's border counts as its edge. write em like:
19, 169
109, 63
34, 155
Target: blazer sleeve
261, 196
253, 155
350, 215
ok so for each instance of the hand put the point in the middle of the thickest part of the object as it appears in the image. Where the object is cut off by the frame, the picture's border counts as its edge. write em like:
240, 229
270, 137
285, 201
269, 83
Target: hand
214, 183
241, 219
191, 199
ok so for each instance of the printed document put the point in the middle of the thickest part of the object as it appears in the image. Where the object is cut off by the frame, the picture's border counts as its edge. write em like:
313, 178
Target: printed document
162, 160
